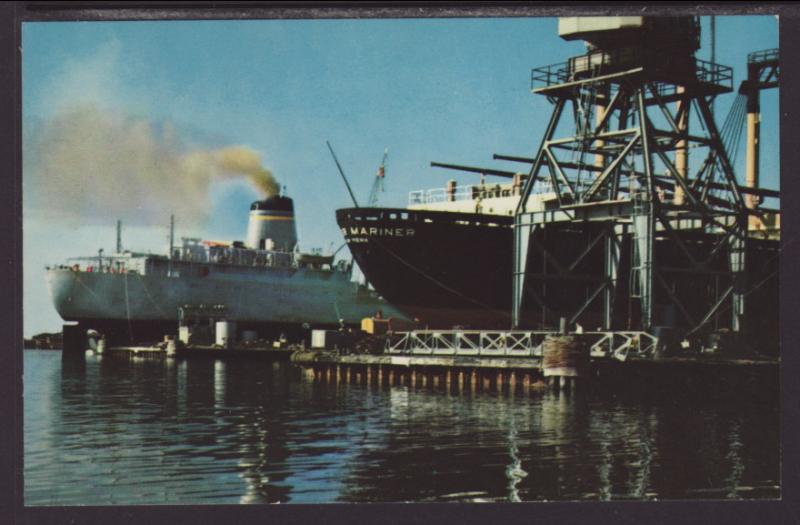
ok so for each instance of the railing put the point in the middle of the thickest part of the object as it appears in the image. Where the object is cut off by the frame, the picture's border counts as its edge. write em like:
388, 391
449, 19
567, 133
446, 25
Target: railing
480, 343
600, 62
472, 192
593, 63
550, 75
714, 74
767, 55
461, 193
103, 264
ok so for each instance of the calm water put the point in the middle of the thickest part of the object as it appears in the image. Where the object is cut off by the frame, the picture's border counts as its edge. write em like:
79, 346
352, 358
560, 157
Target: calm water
105, 431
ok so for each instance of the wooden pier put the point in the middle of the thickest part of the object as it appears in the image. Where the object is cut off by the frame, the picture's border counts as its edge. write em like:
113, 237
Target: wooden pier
709, 375
434, 372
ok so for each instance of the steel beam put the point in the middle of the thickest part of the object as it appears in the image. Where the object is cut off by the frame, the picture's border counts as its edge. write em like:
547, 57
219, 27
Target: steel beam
643, 220
613, 244
522, 235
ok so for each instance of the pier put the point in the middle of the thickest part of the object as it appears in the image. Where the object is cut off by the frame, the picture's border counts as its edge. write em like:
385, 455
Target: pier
708, 374
507, 362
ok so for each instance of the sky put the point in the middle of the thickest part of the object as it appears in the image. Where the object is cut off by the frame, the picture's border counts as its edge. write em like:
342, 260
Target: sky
129, 120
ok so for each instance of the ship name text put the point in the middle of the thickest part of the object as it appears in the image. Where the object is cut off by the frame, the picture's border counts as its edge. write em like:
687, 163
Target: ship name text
352, 232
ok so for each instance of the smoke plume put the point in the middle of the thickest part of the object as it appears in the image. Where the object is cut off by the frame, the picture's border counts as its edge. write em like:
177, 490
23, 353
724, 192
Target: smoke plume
94, 165
236, 161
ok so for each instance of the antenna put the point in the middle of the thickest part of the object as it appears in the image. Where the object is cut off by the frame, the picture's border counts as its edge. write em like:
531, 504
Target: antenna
171, 235
119, 236
341, 172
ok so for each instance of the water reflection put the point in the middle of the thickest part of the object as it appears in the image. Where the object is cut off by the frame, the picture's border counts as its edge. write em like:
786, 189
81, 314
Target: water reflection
514, 471
105, 431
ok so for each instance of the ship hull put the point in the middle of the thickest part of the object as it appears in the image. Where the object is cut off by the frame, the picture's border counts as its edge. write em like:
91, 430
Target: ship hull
129, 306
442, 268
455, 269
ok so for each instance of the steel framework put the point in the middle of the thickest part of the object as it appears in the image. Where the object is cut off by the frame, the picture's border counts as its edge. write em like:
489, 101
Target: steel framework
621, 173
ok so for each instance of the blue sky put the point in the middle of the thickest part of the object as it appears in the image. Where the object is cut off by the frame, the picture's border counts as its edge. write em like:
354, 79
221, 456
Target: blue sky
452, 90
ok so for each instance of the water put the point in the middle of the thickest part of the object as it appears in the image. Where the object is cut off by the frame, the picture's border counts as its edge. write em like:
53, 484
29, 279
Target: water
108, 431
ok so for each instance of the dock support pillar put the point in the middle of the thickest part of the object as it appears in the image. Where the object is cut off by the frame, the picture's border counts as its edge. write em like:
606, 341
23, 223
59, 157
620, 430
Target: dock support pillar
74, 339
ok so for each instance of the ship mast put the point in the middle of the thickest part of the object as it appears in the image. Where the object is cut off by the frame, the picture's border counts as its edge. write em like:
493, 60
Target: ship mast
171, 243
119, 236
171, 235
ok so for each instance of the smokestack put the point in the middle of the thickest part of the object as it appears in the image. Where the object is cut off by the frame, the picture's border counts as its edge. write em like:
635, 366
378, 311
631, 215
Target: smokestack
271, 224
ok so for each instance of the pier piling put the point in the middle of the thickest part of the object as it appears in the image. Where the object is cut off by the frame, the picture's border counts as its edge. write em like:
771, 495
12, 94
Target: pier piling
564, 357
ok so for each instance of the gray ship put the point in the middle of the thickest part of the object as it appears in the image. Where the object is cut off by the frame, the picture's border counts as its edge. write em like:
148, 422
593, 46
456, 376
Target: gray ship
264, 285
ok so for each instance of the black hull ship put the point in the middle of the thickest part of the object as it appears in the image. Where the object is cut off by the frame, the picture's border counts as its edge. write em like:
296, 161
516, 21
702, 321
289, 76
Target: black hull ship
446, 261
442, 268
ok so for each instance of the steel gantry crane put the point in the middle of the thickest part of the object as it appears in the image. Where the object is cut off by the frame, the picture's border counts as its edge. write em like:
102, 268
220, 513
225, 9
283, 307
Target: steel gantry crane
634, 236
